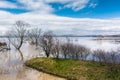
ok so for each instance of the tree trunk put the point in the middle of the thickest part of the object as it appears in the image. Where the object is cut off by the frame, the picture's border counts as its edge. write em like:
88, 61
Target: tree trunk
21, 55
21, 42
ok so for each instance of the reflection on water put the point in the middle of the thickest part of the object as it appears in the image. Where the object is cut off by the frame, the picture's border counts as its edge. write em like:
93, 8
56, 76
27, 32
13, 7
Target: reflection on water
12, 68
28, 74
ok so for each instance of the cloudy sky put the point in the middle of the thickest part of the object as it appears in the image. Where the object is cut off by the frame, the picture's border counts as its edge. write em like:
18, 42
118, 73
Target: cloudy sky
80, 17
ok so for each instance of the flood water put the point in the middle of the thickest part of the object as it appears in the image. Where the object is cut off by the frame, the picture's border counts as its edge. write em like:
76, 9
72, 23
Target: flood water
12, 68
97, 44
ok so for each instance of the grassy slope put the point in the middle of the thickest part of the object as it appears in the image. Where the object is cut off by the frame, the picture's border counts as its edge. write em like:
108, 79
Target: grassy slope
74, 69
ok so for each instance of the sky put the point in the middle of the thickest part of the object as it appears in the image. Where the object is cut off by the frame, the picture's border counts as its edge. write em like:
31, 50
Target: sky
78, 17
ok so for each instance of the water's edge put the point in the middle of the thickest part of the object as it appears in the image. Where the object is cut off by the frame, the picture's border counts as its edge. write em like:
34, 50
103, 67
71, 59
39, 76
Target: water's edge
49, 76
47, 73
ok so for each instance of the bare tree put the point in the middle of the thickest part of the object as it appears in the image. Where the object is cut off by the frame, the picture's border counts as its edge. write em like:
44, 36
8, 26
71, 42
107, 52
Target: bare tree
17, 35
76, 51
79, 51
101, 55
34, 35
46, 42
66, 48
72, 50
56, 49
113, 57
83, 52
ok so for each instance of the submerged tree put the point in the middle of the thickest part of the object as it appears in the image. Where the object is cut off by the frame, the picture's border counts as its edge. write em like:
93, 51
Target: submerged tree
16, 35
34, 35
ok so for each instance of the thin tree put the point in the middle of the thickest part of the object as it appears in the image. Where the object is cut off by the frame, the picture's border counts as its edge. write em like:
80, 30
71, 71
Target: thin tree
56, 49
83, 52
16, 35
46, 42
66, 48
34, 35
113, 57
101, 55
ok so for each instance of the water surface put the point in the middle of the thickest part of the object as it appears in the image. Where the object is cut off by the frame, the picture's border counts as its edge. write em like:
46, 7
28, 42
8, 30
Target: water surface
12, 68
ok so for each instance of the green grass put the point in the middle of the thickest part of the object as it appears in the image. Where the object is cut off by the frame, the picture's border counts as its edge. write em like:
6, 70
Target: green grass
76, 69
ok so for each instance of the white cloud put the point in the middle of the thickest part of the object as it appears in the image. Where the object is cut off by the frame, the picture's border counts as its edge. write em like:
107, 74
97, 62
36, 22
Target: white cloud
73, 4
58, 1
62, 25
77, 4
6, 4
43, 6
93, 5
36, 5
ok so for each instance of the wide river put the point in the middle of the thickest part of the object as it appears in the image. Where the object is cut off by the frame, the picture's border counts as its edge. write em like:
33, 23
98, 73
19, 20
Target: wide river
12, 68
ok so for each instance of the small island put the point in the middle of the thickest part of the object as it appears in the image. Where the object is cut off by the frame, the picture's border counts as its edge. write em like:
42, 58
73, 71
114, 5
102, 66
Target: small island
73, 69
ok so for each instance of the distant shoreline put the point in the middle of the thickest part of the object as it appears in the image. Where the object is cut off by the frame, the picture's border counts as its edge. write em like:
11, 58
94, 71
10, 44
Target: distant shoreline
99, 36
